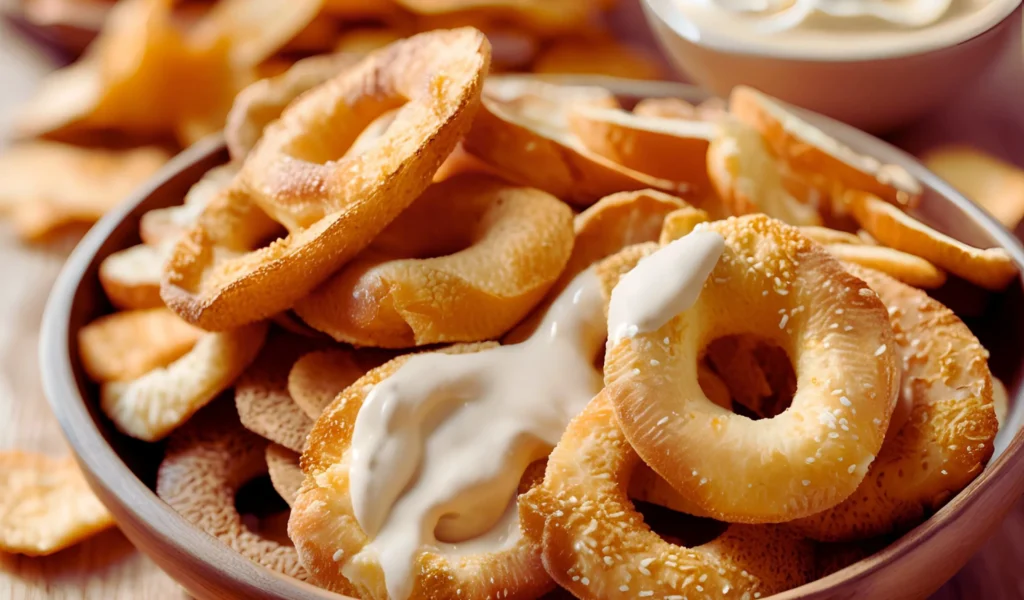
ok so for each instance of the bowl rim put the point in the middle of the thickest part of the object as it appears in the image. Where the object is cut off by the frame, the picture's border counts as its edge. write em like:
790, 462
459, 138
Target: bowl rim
113, 480
665, 11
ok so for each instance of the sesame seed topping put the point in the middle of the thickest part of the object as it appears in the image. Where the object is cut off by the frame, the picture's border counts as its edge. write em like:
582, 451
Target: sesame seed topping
833, 435
623, 588
646, 594
839, 311
806, 482
636, 371
851, 469
703, 480
703, 577
662, 421
783, 321
880, 351
845, 401
655, 362
608, 561
646, 562
809, 460
338, 555
944, 472
585, 581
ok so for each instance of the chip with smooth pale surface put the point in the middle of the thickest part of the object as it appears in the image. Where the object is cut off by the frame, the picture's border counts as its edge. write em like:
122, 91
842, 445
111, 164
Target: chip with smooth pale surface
45, 504
127, 345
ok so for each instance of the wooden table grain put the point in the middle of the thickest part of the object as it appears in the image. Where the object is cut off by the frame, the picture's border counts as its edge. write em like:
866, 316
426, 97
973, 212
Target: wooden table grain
989, 115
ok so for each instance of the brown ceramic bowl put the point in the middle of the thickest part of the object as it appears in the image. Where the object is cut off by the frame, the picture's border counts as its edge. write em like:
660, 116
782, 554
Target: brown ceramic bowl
122, 471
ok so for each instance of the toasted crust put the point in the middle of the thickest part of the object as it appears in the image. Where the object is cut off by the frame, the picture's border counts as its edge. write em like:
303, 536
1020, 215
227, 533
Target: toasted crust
261, 393
127, 345
205, 465
317, 378
946, 439
495, 250
908, 268
327, 535
809, 150
150, 407
284, 470
262, 102
291, 176
669, 149
735, 469
583, 502
992, 269
523, 132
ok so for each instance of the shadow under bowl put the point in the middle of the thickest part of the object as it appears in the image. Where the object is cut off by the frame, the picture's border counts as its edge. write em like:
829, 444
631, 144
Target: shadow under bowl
122, 471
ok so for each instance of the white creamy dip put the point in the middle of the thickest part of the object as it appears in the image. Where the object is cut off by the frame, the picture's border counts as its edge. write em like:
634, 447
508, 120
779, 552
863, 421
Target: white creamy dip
838, 29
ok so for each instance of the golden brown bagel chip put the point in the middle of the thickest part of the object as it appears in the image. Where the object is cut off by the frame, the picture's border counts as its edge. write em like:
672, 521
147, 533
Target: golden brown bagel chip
992, 269
220, 279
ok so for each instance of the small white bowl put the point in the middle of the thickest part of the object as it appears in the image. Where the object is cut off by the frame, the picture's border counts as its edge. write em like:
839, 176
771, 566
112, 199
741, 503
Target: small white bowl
872, 87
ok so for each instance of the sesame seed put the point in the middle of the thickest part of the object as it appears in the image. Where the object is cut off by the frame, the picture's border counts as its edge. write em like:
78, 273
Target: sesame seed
666, 340
726, 588
645, 571
646, 594
655, 362
575, 577
944, 472
338, 554
834, 326
703, 578
839, 311
783, 321
623, 588
833, 435
827, 345
880, 351
700, 588
558, 513
703, 480
806, 482
809, 460
848, 328
608, 561
573, 500
694, 472
636, 371
646, 562
616, 514
662, 421
845, 401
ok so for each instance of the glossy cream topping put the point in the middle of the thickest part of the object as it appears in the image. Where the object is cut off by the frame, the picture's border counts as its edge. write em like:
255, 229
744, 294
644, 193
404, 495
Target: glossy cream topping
663, 285
439, 448
837, 28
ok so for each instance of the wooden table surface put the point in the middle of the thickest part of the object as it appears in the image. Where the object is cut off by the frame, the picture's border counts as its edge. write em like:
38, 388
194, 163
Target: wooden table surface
990, 115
